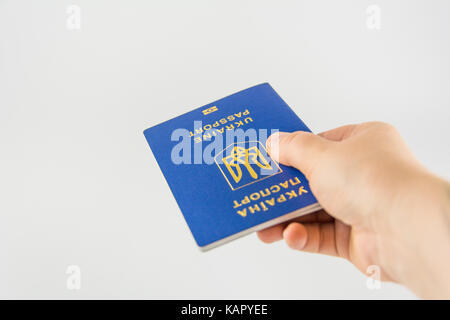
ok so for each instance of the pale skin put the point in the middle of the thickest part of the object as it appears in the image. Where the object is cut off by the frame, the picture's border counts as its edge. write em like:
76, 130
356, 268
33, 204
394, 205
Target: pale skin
381, 206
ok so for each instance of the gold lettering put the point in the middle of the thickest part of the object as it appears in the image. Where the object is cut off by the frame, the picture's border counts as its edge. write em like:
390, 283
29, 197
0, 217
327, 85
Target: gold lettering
246, 200
254, 196
291, 194
236, 204
243, 212
264, 206
297, 181
275, 188
253, 208
285, 184
302, 190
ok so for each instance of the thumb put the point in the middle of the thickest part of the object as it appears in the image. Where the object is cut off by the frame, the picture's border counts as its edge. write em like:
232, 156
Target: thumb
300, 149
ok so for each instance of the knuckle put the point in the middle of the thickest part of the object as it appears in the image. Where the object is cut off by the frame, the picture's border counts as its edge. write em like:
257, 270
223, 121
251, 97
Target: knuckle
291, 139
298, 138
384, 128
383, 125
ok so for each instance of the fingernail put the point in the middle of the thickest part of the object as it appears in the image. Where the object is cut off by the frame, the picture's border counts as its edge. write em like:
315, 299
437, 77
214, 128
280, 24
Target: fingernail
295, 236
273, 141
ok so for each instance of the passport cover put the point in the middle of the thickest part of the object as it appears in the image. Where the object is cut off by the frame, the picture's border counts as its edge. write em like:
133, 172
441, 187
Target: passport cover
215, 162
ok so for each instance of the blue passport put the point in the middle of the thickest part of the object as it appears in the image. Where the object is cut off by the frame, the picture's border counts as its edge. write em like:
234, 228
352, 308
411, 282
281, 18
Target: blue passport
216, 164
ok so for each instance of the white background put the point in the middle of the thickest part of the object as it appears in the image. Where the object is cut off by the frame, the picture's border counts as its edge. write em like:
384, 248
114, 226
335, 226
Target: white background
79, 185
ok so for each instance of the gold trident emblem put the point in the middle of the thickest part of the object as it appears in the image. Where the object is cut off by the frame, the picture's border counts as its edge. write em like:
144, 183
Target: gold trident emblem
246, 157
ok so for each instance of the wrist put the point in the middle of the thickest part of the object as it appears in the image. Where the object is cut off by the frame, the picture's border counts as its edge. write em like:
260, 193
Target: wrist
424, 234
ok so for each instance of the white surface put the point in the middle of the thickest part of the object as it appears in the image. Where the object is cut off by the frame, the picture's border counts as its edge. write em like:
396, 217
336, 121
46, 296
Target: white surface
80, 186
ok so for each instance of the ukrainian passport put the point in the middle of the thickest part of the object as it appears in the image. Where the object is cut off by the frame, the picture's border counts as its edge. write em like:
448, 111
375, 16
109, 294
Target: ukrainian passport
215, 162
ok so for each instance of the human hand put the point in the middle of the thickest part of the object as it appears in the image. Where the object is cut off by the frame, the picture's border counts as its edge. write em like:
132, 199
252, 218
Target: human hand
381, 206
